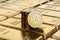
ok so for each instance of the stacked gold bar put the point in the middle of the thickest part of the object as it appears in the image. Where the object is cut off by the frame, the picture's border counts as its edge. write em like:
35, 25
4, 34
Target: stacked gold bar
51, 16
11, 19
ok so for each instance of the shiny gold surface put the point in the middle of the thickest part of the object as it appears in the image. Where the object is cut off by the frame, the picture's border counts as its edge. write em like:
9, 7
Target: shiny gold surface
10, 18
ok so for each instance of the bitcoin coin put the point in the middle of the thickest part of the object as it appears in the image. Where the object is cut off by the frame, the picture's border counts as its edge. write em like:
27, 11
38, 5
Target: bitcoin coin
35, 19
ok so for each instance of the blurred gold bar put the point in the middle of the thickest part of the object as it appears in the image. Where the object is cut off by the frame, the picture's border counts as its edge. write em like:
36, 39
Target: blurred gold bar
7, 12
51, 20
10, 34
12, 22
31, 3
15, 7
48, 30
46, 6
52, 6
52, 13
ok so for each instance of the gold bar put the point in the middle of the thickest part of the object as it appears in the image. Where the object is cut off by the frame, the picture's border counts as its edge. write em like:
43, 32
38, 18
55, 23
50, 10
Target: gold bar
49, 12
48, 29
52, 13
7, 12
51, 20
51, 6
12, 22
31, 3
15, 7
10, 34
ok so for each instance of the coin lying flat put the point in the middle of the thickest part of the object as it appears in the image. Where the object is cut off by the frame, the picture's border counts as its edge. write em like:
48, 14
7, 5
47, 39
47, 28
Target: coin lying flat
35, 19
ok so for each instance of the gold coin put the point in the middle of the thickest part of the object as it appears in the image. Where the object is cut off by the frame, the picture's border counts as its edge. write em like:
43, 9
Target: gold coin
35, 18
